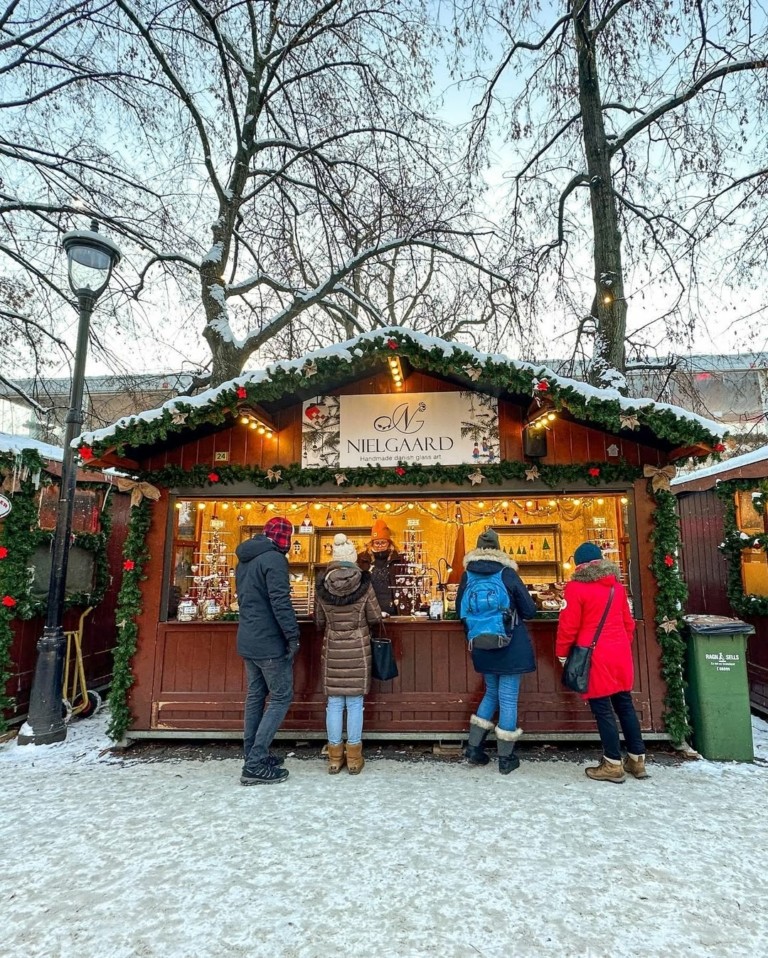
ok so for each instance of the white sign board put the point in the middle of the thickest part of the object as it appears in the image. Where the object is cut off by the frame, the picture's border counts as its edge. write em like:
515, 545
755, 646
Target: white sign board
385, 429
5, 506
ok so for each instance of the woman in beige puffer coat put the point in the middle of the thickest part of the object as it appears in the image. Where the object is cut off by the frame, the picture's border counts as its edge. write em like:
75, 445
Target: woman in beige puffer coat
345, 606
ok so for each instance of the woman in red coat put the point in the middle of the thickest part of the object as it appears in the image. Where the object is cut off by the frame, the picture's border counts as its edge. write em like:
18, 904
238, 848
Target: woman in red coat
611, 675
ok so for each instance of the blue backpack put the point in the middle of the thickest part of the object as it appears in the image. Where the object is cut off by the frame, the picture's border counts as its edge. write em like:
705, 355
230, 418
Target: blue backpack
486, 613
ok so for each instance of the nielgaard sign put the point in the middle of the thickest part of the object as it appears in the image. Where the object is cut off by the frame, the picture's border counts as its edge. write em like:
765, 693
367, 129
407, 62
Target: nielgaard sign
383, 430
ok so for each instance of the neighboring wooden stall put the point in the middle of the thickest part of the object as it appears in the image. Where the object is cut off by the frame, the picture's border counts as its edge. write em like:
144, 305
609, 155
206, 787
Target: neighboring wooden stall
31, 473
442, 442
724, 529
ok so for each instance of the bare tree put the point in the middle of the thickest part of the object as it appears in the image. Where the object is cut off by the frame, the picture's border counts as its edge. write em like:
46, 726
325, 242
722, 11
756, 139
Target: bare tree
261, 155
639, 129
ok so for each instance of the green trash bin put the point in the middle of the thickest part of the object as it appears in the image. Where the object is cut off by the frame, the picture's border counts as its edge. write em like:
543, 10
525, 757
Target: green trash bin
718, 688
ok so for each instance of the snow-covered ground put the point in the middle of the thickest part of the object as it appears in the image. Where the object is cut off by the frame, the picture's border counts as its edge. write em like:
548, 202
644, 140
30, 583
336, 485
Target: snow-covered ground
123, 857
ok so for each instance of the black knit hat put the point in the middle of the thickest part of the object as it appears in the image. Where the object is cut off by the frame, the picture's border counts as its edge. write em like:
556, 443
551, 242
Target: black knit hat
488, 540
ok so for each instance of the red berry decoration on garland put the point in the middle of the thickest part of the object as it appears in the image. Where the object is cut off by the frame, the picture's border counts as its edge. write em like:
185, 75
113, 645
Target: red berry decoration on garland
129, 564
242, 392
669, 561
542, 386
594, 471
8, 601
85, 453
400, 471
213, 477
392, 343
719, 447
3, 552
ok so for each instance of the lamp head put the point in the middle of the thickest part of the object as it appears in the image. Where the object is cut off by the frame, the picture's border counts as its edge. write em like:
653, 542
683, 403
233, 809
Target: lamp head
91, 258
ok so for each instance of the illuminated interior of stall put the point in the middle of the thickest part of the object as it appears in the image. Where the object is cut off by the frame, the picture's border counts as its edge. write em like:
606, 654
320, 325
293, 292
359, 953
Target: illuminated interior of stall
754, 561
432, 535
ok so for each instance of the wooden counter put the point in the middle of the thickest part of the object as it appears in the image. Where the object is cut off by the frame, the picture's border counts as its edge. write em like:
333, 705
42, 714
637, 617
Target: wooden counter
197, 684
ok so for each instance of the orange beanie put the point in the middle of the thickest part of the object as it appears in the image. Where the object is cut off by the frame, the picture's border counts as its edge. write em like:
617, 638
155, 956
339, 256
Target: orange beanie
380, 530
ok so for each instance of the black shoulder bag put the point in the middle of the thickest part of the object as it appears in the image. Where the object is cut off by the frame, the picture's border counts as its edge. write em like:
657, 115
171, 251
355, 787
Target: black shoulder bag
579, 660
383, 665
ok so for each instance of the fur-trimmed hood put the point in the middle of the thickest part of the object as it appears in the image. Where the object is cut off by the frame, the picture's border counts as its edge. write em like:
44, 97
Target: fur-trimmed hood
489, 555
343, 583
596, 570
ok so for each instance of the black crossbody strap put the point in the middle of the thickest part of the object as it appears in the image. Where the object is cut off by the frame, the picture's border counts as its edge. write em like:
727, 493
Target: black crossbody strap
602, 620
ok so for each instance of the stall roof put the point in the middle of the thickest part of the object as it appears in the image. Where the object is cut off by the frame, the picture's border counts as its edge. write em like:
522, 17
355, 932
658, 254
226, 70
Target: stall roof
288, 381
750, 465
15, 445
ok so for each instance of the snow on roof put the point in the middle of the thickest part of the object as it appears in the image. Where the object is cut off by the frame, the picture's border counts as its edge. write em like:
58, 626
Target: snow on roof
350, 350
746, 459
15, 445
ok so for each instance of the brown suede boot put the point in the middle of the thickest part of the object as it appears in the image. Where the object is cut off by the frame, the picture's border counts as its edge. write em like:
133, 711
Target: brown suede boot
335, 758
606, 771
635, 765
355, 760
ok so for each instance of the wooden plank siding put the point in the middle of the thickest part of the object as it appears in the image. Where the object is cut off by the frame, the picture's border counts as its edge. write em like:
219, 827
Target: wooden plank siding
200, 683
99, 631
705, 571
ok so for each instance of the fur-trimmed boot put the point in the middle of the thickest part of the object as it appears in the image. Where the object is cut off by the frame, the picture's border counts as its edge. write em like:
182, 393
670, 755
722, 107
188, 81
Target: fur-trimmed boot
335, 758
609, 770
635, 765
505, 746
355, 760
478, 733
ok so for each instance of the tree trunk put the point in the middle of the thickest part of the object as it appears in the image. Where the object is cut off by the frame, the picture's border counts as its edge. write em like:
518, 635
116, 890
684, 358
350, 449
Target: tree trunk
610, 307
227, 358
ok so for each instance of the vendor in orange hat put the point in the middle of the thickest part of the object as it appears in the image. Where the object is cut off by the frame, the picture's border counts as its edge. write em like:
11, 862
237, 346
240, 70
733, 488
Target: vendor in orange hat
381, 559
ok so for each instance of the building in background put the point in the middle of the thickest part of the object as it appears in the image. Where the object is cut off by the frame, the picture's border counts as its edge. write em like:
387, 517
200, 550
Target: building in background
38, 407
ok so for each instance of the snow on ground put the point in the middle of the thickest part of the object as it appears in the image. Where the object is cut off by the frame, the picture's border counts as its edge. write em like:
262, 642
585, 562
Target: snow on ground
124, 857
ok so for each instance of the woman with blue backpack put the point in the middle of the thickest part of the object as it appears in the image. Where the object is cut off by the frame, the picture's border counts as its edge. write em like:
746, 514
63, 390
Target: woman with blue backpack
492, 602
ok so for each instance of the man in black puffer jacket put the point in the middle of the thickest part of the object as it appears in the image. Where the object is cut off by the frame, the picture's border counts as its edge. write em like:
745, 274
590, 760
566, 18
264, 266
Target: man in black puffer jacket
268, 640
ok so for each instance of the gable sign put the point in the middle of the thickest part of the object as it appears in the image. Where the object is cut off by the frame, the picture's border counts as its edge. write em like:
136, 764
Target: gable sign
383, 430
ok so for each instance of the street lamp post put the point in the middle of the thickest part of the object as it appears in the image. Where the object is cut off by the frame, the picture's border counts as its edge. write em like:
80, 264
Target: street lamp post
91, 258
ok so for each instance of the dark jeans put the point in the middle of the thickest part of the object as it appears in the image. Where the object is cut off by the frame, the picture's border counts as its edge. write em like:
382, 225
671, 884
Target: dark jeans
273, 677
621, 704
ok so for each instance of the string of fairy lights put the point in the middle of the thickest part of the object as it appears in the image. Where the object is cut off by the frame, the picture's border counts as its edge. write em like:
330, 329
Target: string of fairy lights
455, 511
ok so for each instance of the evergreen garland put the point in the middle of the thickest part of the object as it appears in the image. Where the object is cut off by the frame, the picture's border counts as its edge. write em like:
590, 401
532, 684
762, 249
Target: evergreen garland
294, 476
670, 599
734, 543
17, 543
19, 538
325, 372
129, 608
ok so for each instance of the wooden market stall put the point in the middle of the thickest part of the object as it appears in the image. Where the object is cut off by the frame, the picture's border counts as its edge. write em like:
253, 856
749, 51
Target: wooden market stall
31, 473
439, 440
724, 528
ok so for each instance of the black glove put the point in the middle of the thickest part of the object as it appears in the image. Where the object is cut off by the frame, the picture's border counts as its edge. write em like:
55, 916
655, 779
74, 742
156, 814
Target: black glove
293, 648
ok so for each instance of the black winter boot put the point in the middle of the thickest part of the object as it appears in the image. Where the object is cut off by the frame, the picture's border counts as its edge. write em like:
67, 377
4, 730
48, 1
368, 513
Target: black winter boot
505, 746
478, 733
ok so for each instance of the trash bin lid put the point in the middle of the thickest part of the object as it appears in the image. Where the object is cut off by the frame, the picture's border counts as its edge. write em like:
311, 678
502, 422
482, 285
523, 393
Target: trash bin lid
717, 625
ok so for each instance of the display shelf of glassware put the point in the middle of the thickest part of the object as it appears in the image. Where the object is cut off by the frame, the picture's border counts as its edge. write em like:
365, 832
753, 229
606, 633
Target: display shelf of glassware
413, 580
211, 579
604, 537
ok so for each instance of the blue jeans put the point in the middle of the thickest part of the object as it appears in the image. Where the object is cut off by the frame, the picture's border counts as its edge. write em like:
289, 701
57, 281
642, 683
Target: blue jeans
334, 717
273, 677
621, 704
501, 692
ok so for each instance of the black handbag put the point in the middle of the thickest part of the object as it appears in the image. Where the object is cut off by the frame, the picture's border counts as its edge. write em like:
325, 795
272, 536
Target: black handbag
383, 665
579, 660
